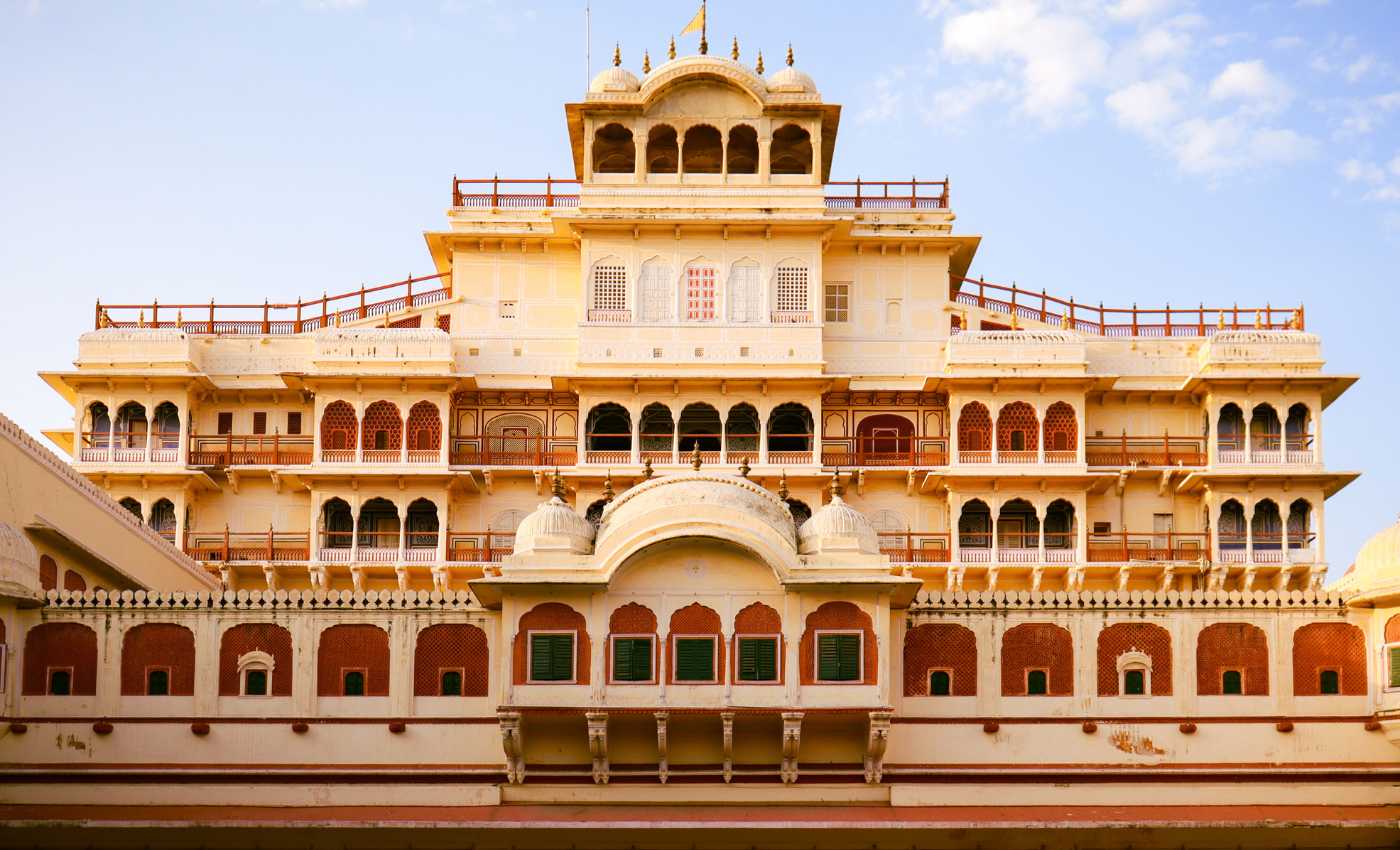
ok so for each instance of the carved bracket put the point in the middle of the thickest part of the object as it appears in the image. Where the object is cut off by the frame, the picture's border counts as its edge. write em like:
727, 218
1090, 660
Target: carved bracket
663, 767
792, 740
513, 742
726, 719
875, 744
598, 745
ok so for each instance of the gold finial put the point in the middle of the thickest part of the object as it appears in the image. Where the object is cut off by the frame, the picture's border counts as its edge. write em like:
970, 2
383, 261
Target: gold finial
1015, 321
608, 493
179, 318
695, 459
671, 51
556, 487
646, 469
646, 62
759, 66
744, 468
734, 50
837, 488
1065, 322
1220, 320
141, 319
789, 56
617, 55
782, 486
1258, 320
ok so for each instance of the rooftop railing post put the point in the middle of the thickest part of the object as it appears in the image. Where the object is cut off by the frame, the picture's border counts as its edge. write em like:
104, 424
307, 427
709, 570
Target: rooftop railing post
225, 549
211, 316
97, 315
409, 301
981, 293
266, 328
1135, 327
913, 192
1072, 325
1301, 325
1167, 320
155, 313
495, 190
858, 203
456, 192
363, 312
325, 307
298, 328
1201, 324
549, 190
1042, 304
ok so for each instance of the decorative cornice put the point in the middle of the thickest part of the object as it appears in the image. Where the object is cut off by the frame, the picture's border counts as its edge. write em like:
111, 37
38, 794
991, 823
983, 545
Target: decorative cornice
932, 602
259, 600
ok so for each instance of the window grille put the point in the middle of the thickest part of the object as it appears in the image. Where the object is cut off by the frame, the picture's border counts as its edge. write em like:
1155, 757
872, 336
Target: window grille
792, 289
609, 287
838, 302
657, 294
699, 293
745, 294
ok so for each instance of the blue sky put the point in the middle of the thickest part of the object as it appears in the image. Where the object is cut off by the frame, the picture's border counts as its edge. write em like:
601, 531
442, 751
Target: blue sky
1135, 150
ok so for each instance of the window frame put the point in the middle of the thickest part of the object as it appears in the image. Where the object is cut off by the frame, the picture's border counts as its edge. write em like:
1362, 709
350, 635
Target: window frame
256, 660
530, 654
243, 681
294, 422
1026, 681
364, 674
610, 285
1392, 682
1321, 671
158, 668
817, 636
612, 658
777, 639
843, 311
947, 671
675, 659
48, 679
1226, 670
461, 680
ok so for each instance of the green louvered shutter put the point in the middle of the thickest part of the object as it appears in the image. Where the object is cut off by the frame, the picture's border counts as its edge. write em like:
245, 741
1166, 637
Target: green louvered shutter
758, 659
551, 658
838, 658
695, 659
1395, 666
631, 659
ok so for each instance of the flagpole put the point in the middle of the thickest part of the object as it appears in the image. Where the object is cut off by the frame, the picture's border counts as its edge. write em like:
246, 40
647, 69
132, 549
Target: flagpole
704, 22
587, 42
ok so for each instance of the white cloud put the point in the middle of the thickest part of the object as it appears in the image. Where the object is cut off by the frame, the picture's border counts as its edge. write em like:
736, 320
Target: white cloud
1367, 114
1161, 43
335, 5
957, 102
1136, 9
1146, 106
1215, 146
1360, 68
1357, 171
1251, 83
1382, 183
1286, 42
887, 98
1312, 3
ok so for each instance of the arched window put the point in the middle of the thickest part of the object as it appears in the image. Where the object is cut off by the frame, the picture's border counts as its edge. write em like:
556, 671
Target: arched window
699, 425
838, 645
99, 424
975, 531
48, 571
60, 659
1264, 434
609, 433
742, 155
594, 514
383, 433
1061, 434
1229, 532
1266, 528
893, 531
131, 428
133, 506
663, 152
1300, 534
758, 644
974, 433
337, 525
894, 312
353, 661
339, 432
1329, 659
703, 151
699, 295
614, 152
1298, 434
1130, 654
790, 298
657, 431
378, 535
513, 438
607, 300
74, 582
940, 659
163, 518
790, 151
657, 291
800, 511
424, 433
1018, 531
1059, 531
422, 531
551, 646
745, 292
741, 432
1229, 434
885, 439
247, 649
1232, 659
695, 644
1017, 433
450, 660
790, 434
158, 660
1037, 659
166, 433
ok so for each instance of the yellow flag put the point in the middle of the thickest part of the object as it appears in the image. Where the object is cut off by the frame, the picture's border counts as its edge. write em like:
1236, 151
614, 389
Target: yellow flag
697, 23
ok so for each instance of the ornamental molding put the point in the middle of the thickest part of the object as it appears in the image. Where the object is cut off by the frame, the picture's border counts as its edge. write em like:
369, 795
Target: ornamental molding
935, 602
265, 600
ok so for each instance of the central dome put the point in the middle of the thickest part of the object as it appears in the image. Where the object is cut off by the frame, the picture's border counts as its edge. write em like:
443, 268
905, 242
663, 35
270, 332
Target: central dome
688, 490
1377, 565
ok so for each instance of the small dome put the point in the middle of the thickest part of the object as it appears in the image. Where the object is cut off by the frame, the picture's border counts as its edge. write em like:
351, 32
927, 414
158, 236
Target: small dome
1377, 565
554, 527
19, 564
614, 79
837, 526
789, 80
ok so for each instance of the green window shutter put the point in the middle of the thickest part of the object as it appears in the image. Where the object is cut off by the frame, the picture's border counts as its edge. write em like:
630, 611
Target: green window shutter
1395, 666
551, 658
695, 659
838, 658
631, 659
758, 659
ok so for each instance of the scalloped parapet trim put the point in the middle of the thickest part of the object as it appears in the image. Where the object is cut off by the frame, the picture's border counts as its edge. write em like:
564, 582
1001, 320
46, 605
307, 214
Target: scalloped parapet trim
1133, 599
310, 600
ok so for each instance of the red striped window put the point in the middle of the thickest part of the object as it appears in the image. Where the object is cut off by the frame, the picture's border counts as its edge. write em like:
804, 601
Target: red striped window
699, 293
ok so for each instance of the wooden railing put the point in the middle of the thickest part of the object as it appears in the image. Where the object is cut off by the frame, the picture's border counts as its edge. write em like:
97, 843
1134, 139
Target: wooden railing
496, 193
1145, 451
267, 545
916, 547
1120, 321
485, 547
250, 450
883, 451
1147, 546
270, 318
500, 450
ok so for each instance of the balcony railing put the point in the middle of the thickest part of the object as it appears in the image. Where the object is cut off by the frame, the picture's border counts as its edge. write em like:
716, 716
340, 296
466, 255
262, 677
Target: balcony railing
128, 447
1121, 546
1030, 547
500, 450
483, 547
250, 450
916, 547
792, 317
1120, 321
270, 318
494, 193
377, 456
1264, 448
1145, 451
1055, 456
883, 451
226, 546
659, 449
1265, 548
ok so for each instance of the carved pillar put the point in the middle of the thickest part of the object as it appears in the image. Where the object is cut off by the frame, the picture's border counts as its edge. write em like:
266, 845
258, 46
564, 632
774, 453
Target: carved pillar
726, 719
663, 767
598, 744
875, 743
513, 743
792, 741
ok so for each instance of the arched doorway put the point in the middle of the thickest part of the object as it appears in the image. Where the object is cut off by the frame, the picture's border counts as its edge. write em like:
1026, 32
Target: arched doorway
885, 439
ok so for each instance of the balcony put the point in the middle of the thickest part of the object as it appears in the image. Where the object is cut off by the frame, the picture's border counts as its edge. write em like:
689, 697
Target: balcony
505, 450
1018, 456
250, 450
881, 451
479, 547
227, 546
381, 456
916, 547
1124, 546
552, 193
1125, 451
1017, 548
128, 447
1266, 549
1264, 449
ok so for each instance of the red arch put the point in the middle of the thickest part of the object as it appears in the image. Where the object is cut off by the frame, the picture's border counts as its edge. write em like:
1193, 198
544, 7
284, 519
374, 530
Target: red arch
48, 572
243, 638
1148, 638
451, 646
553, 616
1031, 646
940, 646
1232, 646
1329, 646
1061, 428
357, 646
339, 427
837, 615
382, 416
1017, 417
60, 645
974, 428
158, 645
697, 619
884, 437
424, 427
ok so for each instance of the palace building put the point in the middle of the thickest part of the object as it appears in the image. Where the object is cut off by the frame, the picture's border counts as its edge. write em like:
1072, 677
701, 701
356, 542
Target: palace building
708, 493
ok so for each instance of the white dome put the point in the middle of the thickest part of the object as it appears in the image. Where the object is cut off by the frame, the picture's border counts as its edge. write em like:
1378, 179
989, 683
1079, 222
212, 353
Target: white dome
789, 80
1377, 565
554, 527
614, 79
837, 526
691, 493
19, 564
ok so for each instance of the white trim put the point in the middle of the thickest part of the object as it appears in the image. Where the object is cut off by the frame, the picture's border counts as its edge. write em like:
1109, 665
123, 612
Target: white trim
529, 657
675, 658
655, 665
817, 635
1134, 659
777, 658
1386, 650
256, 660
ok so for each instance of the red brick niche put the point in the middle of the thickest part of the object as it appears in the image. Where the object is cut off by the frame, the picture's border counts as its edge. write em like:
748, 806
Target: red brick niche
1232, 646
1329, 646
837, 616
940, 646
154, 646
551, 617
691, 621
244, 638
1392, 629
353, 646
1152, 640
1037, 646
759, 619
451, 646
60, 645
633, 619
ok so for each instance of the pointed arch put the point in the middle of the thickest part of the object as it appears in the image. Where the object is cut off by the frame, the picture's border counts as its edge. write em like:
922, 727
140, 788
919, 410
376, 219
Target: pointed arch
340, 430
741, 155
744, 292
663, 150
424, 433
790, 152
614, 151
974, 433
1061, 434
656, 291
1018, 433
382, 433
703, 151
